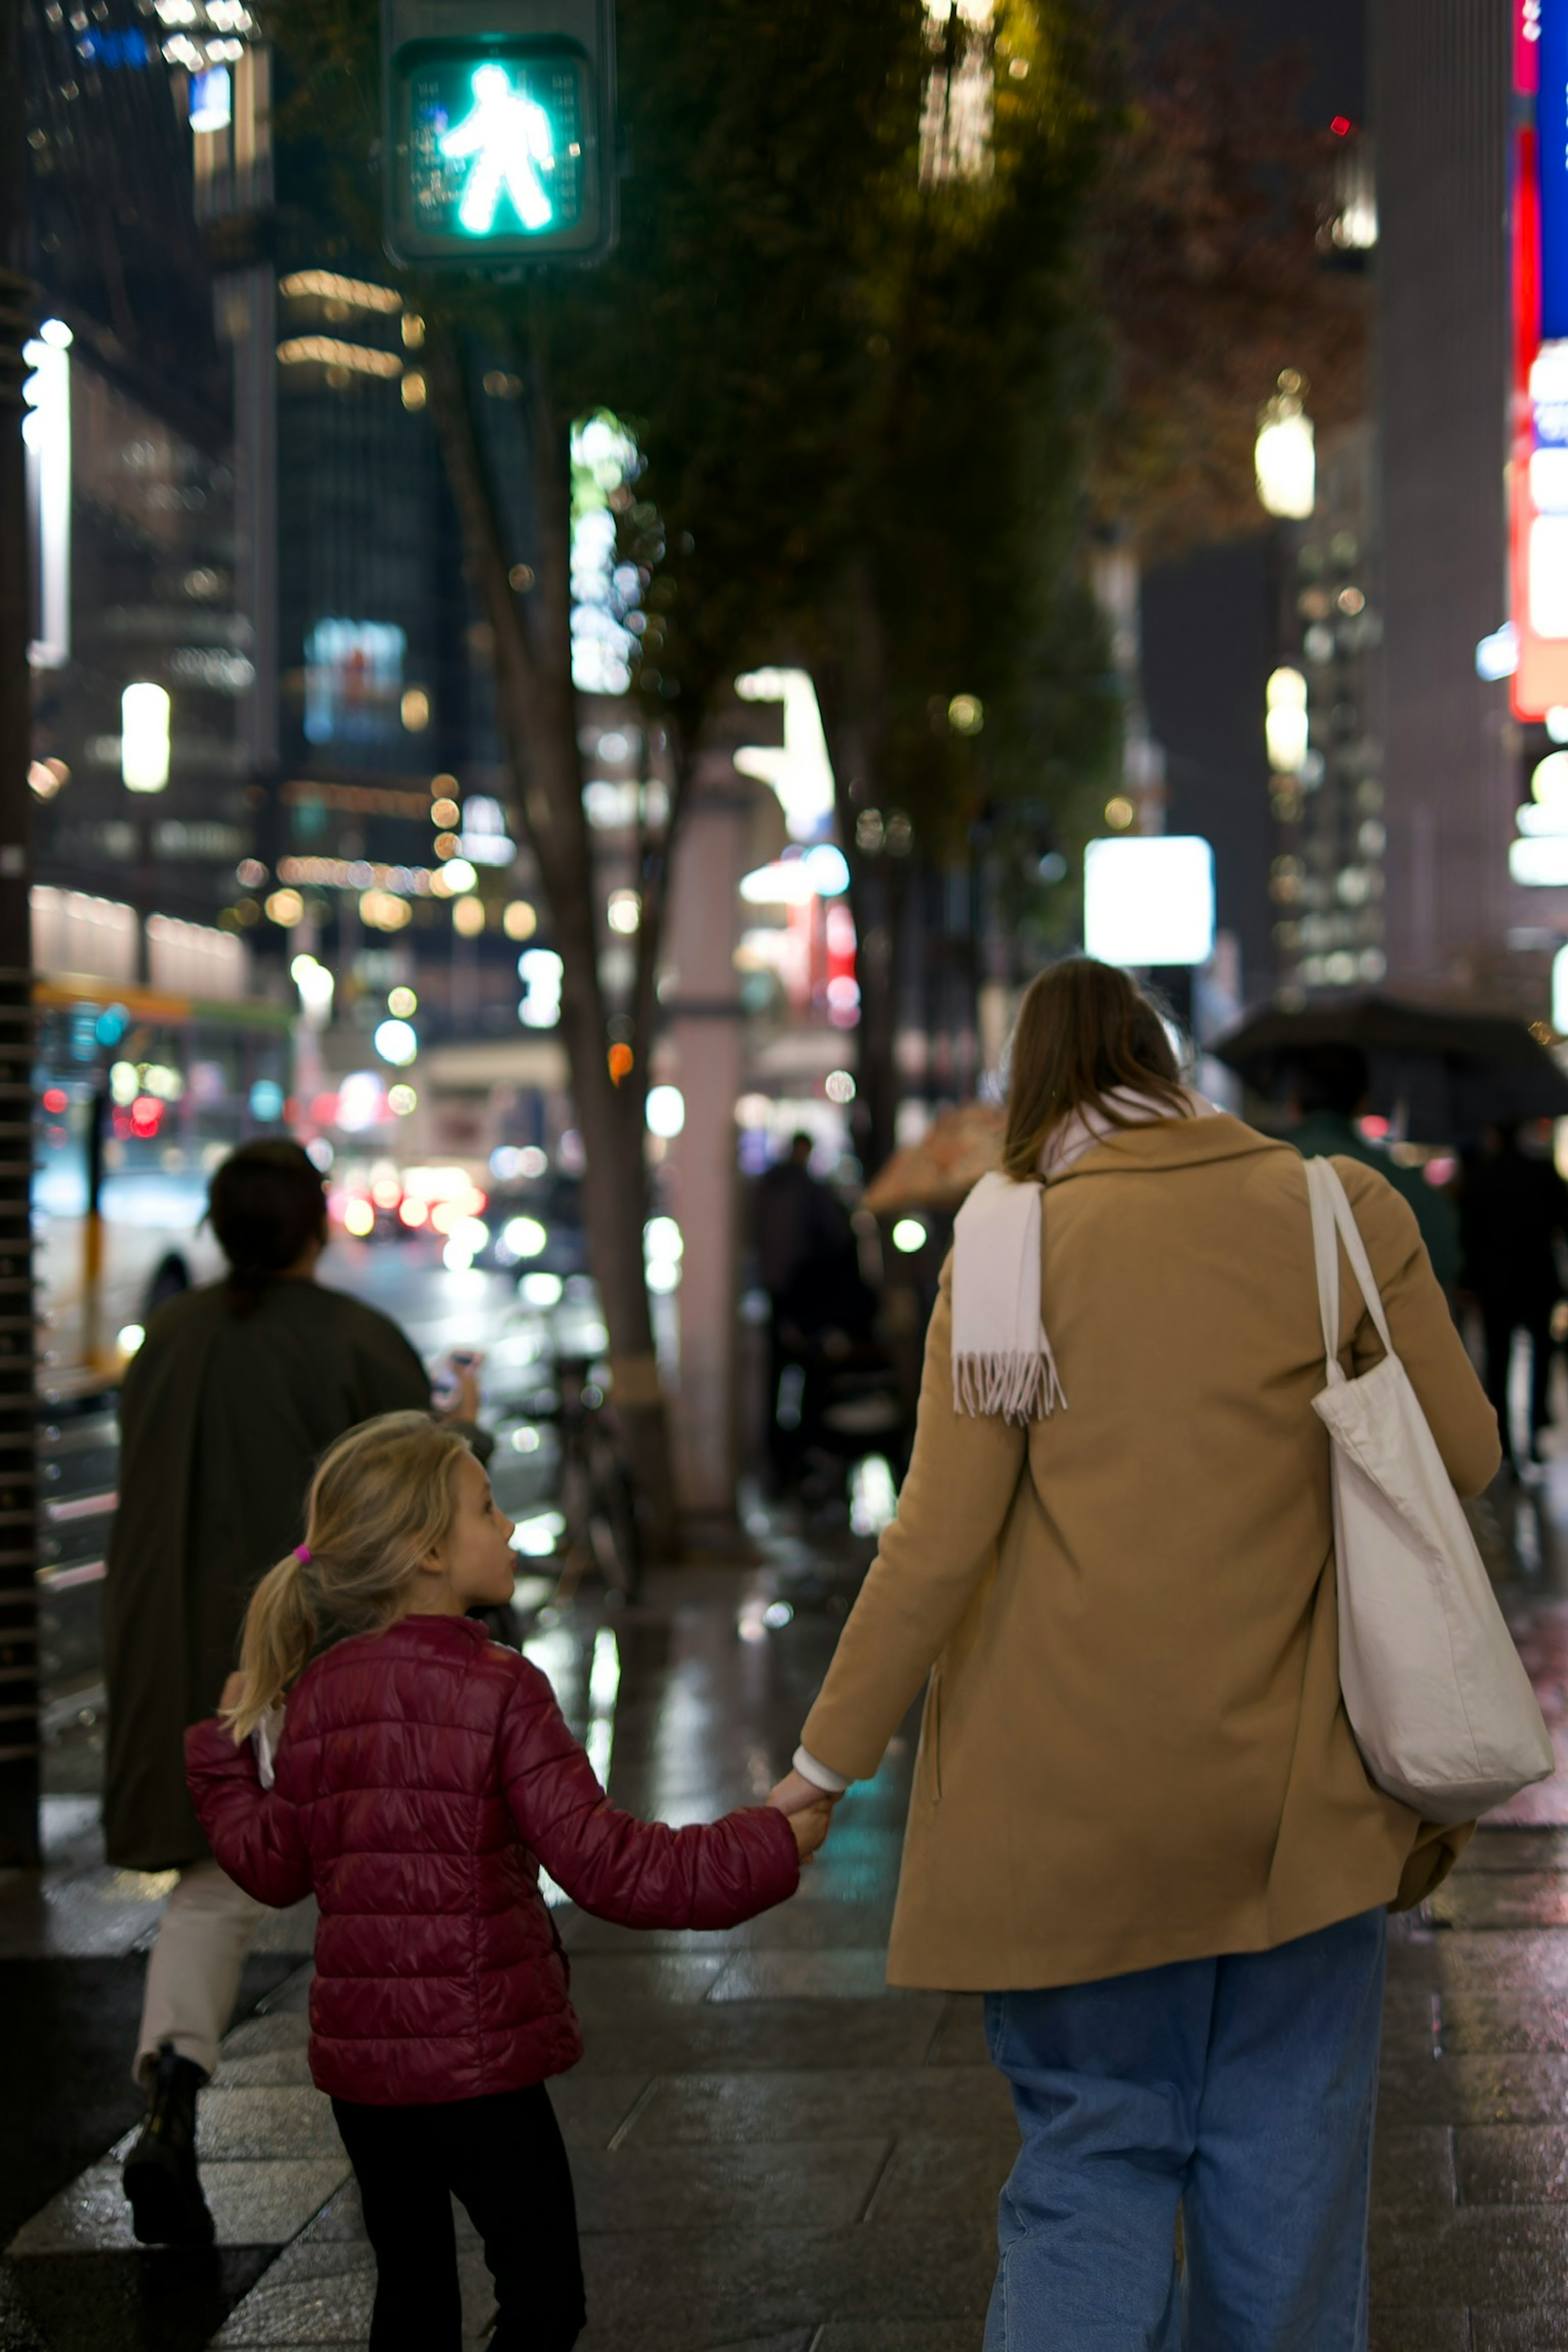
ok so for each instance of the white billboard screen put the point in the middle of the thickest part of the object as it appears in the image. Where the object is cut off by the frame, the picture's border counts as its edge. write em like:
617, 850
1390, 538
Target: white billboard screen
1148, 899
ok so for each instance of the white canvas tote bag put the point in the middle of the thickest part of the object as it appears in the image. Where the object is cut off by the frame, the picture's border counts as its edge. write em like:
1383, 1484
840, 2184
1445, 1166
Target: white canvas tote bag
1440, 1704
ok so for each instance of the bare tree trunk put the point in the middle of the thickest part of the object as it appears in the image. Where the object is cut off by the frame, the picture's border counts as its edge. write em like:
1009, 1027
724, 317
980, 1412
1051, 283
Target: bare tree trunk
537, 717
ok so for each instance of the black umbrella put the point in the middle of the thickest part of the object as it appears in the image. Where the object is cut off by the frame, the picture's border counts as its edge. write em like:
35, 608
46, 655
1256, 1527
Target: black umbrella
1444, 1076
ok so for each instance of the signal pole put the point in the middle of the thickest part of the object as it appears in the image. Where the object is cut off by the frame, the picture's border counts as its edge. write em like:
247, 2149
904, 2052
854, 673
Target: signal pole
18, 1474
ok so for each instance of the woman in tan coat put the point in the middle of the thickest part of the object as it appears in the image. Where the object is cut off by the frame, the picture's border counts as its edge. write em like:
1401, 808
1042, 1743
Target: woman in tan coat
1140, 1824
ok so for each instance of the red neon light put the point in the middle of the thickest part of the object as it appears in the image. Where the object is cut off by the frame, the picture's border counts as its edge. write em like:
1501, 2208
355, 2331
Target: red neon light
1526, 47
1341, 126
1540, 682
56, 1098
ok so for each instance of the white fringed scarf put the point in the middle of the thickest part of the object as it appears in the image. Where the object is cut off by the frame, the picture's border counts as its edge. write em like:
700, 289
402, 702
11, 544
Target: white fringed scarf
1002, 1358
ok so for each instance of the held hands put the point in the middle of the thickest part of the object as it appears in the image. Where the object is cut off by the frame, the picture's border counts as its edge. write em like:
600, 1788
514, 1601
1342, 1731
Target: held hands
807, 1808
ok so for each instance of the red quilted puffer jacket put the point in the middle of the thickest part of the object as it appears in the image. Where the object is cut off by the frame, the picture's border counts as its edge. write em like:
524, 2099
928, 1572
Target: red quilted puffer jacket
423, 1776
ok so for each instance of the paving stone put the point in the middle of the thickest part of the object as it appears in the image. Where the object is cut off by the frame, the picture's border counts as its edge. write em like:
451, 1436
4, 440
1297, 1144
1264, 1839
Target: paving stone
1411, 2021
1504, 2088
897, 2336
1419, 2330
268, 2070
333, 2310
1519, 2164
773, 2034
952, 2103
790, 1927
766, 2282
845, 1975
263, 2203
1504, 1849
778, 2184
591, 2108
615, 1980
960, 2037
292, 1930
261, 2036
1497, 1898
1542, 2330
1507, 2257
1413, 2171
928, 2179
297, 2121
1482, 2021
1502, 1960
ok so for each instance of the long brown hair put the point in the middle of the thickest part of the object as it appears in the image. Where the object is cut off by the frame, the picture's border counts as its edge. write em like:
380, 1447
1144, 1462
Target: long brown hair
1084, 1029
381, 1502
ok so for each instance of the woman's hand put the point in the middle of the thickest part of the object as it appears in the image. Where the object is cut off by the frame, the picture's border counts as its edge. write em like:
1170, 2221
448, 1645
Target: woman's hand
811, 1826
794, 1793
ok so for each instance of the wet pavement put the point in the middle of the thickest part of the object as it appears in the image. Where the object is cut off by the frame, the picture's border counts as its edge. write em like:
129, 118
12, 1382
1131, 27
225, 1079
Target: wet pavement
772, 2152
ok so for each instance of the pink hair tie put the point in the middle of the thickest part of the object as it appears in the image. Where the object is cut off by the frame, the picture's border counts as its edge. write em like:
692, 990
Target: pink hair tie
302, 1554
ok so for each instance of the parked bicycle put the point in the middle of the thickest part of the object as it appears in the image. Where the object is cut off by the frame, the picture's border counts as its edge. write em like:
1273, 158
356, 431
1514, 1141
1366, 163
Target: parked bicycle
597, 1499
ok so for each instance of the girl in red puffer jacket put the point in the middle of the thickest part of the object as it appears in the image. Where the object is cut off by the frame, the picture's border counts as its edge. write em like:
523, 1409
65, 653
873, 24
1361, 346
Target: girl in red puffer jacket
422, 1775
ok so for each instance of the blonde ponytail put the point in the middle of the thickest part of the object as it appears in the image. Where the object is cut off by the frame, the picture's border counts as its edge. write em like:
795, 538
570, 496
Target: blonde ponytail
381, 1500
280, 1635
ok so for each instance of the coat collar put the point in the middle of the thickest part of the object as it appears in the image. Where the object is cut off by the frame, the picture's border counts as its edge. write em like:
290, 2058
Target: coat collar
1170, 1143
420, 1632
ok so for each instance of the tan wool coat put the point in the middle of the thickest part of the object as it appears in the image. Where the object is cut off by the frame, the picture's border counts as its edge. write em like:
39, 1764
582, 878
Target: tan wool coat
1134, 1748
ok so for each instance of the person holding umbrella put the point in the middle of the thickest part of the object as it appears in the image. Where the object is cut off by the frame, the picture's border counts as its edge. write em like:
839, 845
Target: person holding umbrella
1514, 1213
1329, 1087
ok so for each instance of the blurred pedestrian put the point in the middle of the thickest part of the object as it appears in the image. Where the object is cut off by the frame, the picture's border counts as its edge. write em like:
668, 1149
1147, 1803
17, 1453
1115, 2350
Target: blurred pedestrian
235, 1393
1514, 1217
1140, 1824
1331, 1087
806, 1263
416, 1776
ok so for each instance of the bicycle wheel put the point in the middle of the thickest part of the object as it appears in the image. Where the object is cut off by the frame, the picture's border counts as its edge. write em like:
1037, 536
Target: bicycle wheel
613, 1523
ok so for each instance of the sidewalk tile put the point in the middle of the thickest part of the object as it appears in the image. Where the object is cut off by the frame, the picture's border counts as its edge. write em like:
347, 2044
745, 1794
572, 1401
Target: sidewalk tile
822, 1975
1498, 2021
768, 2281
768, 2035
1504, 2163
1413, 2171
941, 2102
782, 2184
262, 2202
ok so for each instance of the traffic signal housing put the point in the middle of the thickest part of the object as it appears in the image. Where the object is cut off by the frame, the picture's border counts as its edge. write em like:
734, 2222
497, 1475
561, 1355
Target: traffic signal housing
498, 132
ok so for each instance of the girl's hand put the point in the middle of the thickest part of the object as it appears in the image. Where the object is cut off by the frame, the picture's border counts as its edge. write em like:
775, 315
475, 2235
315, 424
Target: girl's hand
233, 1692
811, 1826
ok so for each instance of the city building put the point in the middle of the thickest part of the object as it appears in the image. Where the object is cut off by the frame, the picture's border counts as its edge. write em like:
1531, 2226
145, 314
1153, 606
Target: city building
1455, 764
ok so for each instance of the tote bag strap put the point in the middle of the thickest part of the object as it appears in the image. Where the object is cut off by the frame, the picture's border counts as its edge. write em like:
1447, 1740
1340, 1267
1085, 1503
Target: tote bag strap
1332, 1215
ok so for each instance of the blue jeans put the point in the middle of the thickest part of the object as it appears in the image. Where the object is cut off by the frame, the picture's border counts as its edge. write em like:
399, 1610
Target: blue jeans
1240, 2089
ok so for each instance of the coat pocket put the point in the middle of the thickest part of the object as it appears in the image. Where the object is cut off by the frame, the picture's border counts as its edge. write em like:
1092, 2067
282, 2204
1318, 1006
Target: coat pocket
931, 1739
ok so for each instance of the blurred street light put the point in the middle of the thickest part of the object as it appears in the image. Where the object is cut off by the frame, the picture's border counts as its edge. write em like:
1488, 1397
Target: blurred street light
144, 738
1285, 456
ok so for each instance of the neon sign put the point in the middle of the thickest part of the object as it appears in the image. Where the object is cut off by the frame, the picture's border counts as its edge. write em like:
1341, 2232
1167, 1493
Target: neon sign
1537, 435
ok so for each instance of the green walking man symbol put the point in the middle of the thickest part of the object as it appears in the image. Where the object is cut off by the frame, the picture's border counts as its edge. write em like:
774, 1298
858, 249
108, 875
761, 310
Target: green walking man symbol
508, 137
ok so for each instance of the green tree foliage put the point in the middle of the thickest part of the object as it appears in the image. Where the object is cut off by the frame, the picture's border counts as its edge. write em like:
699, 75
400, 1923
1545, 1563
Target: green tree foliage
858, 387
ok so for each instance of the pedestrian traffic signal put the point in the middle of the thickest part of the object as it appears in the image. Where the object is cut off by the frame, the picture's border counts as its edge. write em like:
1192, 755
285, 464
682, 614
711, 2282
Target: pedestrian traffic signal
499, 131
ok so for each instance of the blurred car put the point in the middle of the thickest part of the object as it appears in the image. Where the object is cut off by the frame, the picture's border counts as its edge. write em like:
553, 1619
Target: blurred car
535, 1231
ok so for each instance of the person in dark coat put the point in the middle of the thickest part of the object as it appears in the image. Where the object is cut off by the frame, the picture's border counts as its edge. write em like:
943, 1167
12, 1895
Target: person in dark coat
1513, 1212
806, 1261
237, 1392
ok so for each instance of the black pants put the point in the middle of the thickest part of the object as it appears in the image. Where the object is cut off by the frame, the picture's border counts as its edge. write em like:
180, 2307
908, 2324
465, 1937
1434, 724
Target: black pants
1500, 1320
503, 2158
